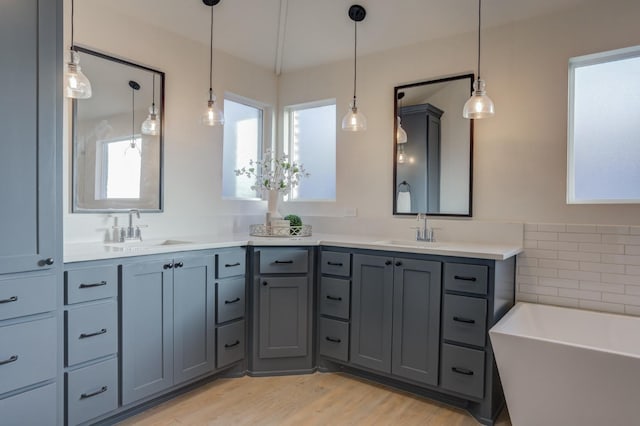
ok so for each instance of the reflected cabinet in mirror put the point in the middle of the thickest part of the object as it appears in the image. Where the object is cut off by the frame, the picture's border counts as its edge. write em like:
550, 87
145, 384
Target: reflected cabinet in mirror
433, 148
117, 137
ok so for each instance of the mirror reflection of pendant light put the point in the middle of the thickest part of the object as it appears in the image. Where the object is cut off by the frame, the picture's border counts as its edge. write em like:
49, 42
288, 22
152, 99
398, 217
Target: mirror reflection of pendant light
151, 126
213, 115
479, 104
133, 143
355, 121
77, 85
401, 134
402, 156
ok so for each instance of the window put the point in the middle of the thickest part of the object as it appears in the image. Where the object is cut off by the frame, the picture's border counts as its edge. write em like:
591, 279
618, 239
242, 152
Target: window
118, 168
243, 130
604, 128
310, 139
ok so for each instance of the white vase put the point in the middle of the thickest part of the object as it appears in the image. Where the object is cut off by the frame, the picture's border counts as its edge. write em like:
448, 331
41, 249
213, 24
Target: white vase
273, 198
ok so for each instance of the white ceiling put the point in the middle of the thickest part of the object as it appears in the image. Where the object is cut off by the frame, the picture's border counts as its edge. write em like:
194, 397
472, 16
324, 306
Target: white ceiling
319, 31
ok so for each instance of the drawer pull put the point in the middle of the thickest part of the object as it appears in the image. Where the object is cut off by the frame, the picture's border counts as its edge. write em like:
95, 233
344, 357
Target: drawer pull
178, 265
337, 299
167, 266
461, 278
335, 263
464, 320
9, 300
334, 340
462, 371
98, 392
13, 358
228, 302
236, 343
388, 262
231, 265
398, 263
101, 283
283, 262
97, 333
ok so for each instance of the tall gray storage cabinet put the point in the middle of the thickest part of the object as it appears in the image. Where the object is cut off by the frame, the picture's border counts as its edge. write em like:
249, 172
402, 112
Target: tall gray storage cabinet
29, 224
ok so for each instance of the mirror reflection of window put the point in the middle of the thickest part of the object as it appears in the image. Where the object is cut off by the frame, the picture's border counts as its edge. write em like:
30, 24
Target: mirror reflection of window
118, 169
242, 143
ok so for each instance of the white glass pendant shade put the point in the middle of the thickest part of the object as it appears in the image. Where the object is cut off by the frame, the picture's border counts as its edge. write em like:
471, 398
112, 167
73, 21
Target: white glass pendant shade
354, 121
151, 126
213, 115
479, 104
77, 85
402, 157
401, 135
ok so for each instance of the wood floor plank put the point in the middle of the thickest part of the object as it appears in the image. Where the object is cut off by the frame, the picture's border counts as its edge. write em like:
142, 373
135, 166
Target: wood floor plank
315, 399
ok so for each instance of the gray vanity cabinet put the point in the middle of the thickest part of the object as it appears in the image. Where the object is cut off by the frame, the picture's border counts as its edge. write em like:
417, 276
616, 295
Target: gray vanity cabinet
30, 190
147, 329
168, 324
396, 316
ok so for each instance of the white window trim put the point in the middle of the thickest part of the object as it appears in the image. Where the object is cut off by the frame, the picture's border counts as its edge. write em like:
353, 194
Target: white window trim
577, 62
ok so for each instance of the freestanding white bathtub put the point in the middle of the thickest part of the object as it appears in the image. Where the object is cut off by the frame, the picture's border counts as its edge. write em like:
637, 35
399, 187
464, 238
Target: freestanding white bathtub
563, 366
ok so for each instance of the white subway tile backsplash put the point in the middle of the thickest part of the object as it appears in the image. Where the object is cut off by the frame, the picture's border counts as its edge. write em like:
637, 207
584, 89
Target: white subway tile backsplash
601, 267
582, 228
588, 266
579, 255
558, 245
580, 237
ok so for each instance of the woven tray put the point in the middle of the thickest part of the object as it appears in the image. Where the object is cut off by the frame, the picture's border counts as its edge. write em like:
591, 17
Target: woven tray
279, 231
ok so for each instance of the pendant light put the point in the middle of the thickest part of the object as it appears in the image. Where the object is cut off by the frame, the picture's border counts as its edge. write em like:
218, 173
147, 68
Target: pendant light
401, 134
213, 115
355, 121
151, 126
479, 104
77, 85
135, 86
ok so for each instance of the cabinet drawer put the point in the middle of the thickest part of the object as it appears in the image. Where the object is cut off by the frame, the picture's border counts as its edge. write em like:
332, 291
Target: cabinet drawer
230, 299
463, 370
467, 278
27, 295
92, 391
230, 263
283, 261
230, 344
92, 332
84, 284
35, 407
336, 263
334, 297
334, 339
464, 319
27, 353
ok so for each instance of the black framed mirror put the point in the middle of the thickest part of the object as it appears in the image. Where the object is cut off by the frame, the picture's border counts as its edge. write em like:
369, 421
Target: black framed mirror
118, 137
433, 148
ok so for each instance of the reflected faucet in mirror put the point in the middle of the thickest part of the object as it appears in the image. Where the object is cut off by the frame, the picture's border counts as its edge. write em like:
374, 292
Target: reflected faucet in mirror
433, 148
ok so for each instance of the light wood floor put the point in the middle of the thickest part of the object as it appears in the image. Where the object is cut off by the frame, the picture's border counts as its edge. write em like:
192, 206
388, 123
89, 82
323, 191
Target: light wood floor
314, 399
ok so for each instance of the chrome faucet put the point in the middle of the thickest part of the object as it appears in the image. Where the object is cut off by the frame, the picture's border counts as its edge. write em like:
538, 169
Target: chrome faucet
423, 233
131, 232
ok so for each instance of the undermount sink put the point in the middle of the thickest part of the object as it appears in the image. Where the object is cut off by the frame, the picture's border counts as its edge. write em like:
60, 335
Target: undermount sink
410, 243
146, 244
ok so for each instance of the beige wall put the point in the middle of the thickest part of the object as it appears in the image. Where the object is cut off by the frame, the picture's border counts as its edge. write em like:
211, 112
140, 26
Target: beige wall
520, 155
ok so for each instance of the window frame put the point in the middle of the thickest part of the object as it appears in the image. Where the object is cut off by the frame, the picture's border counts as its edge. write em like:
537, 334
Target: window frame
287, 142
579, 62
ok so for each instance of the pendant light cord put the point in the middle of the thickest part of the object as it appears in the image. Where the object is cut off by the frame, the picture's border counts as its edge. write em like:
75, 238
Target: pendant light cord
133, 117
355, 61
153, 94
479, 26
211, 58
72, 13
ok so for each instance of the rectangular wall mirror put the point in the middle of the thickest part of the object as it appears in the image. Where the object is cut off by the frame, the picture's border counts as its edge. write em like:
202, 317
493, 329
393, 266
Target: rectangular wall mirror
433, 161
117, 164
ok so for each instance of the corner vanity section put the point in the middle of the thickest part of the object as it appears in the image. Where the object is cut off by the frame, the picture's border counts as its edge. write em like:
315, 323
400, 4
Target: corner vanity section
142, 325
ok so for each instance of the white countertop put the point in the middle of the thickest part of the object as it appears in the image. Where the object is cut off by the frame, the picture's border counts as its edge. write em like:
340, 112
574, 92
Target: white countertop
77, 252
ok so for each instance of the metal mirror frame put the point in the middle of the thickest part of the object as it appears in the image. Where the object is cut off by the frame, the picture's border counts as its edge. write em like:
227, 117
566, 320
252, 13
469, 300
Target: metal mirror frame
400, 88
74, 179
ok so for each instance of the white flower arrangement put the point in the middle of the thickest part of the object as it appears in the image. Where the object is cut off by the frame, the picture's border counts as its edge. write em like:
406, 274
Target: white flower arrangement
273, 173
